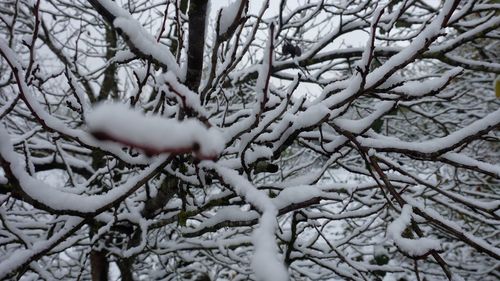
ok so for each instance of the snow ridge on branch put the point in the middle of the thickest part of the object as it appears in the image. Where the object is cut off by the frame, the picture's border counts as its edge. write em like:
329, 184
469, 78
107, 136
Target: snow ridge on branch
411, 247
152, 134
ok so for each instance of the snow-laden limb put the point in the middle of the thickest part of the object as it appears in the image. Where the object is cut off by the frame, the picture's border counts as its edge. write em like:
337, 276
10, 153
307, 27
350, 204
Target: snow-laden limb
321, 108
228, 15
153, 134
187, 98
49, 121
470, 63
23, 257
224, 215
266, 263
438, 145
358, 126
454, 228
471, 163
448, 45
289, 199
418, 45
80, 94
429, 86
141, 41
296, 195
261, 97
412, 247
138, 38
8, 105
47, 197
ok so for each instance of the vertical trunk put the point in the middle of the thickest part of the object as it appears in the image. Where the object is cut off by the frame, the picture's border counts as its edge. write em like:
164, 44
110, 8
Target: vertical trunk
125, 266
109, 85
99, 266
197, 14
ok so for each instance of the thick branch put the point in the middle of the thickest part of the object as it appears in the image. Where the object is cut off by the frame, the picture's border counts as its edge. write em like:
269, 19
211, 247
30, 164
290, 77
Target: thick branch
197, 14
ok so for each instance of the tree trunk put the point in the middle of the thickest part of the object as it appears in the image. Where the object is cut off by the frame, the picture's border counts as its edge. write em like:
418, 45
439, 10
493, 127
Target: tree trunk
125, 266
197, 14
99, 266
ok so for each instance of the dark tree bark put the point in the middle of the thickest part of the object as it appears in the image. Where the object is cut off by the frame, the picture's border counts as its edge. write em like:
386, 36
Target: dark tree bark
109, 84
99, 266
125, 266
197, 14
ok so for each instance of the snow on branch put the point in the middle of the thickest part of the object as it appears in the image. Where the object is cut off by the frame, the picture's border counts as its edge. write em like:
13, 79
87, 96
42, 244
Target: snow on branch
25, 256
437, 145
229, 14
48, 121
419, 44
46, 197
466, 161
421, 88
265, 262
189, 100
142, 42
412, 247
454, 228
153, 134
139, 40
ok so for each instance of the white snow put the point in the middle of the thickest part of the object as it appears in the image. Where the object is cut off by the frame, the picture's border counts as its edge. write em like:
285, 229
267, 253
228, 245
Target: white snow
468, 161
437, 144
228, 15
266, 263
154, 134
225, 214
380, 250
146, 44
419, 88
55, 199
412, 247
23, 256
472, 239
186, 97
51, 122
358, 126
